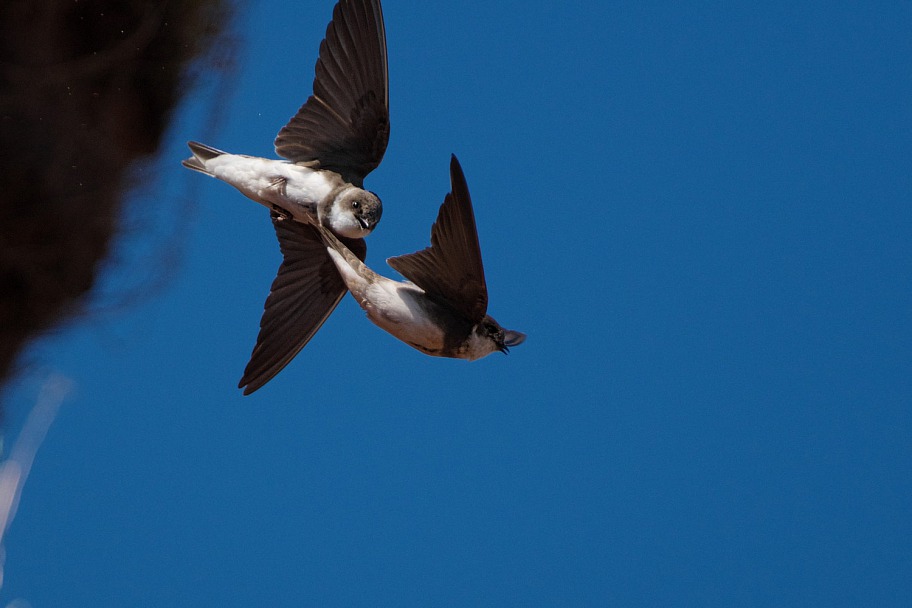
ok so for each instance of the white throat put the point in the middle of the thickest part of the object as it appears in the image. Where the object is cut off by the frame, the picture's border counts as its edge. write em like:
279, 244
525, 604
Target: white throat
477, 346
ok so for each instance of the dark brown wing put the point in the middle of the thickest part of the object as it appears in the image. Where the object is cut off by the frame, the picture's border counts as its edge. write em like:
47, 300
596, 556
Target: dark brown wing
450, 269
306, 290
344, 125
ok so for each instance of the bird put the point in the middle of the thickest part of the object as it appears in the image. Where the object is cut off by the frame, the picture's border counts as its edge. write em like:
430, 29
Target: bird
329, 146
441, 309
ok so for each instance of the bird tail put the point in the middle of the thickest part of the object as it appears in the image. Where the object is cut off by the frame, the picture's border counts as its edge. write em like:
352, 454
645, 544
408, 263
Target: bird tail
201, 154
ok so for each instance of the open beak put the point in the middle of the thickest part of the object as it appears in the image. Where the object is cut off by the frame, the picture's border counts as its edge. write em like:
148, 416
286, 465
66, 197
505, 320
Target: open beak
513, 338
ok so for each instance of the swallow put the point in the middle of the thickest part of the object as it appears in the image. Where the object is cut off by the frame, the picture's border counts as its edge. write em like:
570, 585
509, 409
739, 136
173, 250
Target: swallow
442, 309
336, 138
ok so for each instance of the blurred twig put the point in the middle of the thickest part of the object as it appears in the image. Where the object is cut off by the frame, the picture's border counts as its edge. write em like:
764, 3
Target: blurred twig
14, 470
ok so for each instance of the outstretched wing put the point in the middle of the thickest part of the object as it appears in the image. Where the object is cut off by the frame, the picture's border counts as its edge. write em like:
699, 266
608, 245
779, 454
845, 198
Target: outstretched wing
344, 125
450, 270
305, 291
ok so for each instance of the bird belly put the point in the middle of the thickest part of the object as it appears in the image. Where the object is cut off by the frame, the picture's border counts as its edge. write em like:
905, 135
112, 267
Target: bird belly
295, 189
400, 309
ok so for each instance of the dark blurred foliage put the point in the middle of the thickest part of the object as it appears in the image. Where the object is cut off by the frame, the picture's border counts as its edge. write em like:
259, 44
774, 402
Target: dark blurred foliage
87, 88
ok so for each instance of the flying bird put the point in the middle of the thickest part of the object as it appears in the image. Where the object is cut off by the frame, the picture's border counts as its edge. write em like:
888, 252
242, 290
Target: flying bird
442, 309
337, 137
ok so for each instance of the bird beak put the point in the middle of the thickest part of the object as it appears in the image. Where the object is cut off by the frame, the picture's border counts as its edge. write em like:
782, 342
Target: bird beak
513, 338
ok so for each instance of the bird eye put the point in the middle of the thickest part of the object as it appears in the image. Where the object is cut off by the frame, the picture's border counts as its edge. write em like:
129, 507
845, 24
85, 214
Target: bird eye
356, 205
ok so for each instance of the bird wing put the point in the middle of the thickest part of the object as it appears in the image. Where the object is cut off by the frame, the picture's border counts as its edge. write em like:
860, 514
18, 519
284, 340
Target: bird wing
344, 125
450, 270
304, 293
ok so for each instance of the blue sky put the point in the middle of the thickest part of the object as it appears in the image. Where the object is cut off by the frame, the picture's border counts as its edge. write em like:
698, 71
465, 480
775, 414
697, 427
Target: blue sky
701, 215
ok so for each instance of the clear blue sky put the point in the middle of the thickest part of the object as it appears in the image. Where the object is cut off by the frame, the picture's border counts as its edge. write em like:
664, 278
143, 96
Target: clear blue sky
701, 215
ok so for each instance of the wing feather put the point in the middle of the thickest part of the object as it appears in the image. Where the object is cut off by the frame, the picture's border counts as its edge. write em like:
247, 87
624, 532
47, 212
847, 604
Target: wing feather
306, 290
451, 270
344, 125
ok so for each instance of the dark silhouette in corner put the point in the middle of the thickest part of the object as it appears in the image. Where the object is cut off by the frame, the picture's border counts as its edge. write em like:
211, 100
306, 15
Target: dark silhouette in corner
87, 87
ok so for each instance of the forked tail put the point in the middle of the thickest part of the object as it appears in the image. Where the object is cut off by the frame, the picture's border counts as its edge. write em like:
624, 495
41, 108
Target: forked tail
201, 154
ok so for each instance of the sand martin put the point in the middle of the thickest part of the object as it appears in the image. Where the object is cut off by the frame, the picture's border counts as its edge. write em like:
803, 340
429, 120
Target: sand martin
337, 137
442, 310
